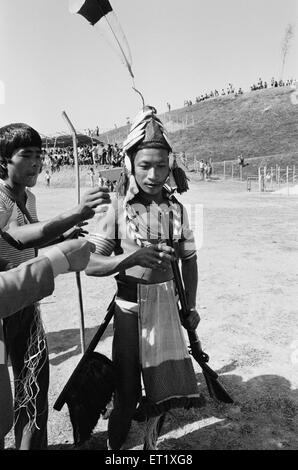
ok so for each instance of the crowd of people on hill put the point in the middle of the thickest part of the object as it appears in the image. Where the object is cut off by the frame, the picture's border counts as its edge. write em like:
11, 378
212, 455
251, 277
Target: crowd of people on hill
231, 90
273, 84
97, 154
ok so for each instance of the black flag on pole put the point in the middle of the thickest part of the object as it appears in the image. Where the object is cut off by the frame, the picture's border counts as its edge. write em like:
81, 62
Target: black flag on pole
92, 10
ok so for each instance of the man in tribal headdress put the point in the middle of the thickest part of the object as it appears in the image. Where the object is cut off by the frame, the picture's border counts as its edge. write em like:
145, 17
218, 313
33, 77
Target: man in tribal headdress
148, 341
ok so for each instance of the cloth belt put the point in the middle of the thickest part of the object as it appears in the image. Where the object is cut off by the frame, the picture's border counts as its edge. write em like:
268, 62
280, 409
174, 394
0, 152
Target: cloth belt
127, 291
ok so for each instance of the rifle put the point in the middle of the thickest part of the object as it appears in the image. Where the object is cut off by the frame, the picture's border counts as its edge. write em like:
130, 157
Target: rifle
61, 400
90, 386
215, 389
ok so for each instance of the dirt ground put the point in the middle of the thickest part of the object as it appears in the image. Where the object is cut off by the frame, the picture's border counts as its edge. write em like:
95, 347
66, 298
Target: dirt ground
248, 278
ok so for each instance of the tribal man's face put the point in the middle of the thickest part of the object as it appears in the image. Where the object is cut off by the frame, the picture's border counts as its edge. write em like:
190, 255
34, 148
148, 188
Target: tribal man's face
151, 169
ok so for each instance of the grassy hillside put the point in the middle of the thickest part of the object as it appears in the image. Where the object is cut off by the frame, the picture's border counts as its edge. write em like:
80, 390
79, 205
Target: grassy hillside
256, 124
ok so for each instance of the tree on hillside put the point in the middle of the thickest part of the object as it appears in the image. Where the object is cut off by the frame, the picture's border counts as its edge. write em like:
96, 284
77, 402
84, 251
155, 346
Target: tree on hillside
289, 34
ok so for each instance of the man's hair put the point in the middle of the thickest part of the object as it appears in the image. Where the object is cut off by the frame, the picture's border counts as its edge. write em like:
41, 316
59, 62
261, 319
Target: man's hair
14, 137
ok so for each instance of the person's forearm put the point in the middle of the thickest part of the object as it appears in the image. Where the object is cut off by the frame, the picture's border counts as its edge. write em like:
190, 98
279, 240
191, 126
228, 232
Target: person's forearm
40, 234
28, 283
100, 265
190, 280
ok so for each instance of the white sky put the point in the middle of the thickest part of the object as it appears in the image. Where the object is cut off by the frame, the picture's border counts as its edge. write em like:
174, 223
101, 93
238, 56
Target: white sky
52, 60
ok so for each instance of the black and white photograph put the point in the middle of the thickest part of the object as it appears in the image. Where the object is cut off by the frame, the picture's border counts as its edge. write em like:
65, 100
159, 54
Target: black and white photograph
148, 227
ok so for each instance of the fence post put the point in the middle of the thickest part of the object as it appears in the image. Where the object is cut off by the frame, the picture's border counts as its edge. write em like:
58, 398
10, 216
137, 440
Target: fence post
232, 170
294, 176
288, 189
224, 170
241, 172
260, 179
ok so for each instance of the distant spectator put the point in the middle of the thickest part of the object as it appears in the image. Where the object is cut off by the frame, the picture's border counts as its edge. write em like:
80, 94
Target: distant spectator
260, 84
208, 170
240, 160
202, 169
109, 154
104, 156
100, 179
91, 176
94, 154
48, 178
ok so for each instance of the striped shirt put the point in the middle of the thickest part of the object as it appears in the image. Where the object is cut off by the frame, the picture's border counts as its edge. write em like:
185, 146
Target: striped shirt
104, 239
11, 216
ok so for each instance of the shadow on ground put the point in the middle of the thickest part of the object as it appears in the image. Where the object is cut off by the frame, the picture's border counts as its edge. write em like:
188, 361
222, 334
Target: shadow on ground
264, 416
66, 343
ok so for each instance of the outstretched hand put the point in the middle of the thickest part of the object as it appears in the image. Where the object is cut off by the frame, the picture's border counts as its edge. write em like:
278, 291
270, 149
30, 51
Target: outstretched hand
76, 232
157, 257
93, 198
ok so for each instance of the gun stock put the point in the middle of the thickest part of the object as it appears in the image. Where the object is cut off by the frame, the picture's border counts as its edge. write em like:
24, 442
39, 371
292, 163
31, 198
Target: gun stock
215, 389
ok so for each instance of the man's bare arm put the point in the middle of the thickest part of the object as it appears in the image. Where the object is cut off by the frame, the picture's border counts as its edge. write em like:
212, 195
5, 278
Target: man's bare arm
190, 280
42, 233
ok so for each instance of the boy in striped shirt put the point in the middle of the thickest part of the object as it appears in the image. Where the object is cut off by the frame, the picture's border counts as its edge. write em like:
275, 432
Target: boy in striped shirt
21, 236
